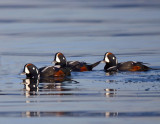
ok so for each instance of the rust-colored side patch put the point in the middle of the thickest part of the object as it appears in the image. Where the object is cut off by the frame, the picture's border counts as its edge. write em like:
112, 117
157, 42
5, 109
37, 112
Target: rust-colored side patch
135, 68
83, 68
59, 73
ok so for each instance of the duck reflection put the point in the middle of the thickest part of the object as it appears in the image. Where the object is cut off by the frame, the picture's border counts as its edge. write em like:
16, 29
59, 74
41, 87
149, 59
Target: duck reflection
85, 114
70, 114
110, 92
111, 73
31, 86
34, 86
111, 114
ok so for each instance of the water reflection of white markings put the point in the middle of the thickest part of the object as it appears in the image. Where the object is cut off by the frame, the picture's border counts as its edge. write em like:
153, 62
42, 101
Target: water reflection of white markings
110, 92
31, 86
28, 114
111, 114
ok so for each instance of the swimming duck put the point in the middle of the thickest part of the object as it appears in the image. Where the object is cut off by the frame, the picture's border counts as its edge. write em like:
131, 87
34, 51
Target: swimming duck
113, 65
31, 71
77, 66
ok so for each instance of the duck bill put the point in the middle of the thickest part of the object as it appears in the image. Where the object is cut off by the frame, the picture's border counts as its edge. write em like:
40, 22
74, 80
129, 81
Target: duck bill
103, 61
23, 73
54, 62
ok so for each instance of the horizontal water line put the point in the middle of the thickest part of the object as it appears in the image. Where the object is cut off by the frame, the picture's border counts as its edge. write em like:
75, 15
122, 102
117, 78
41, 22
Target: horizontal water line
78, 114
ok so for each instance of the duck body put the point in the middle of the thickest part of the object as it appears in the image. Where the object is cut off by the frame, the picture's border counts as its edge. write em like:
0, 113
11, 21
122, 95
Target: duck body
132, 66
54, 71
113, 65
31, 71
81, 66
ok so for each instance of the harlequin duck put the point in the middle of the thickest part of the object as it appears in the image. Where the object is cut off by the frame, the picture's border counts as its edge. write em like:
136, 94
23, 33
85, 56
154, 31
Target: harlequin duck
32, 71
113, 65
60, 59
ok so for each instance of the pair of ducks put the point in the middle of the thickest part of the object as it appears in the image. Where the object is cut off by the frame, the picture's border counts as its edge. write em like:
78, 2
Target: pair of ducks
64, 68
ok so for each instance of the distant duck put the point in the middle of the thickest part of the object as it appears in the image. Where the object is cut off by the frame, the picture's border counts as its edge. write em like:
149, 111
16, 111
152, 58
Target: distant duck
31, 71
113, 65
77, 66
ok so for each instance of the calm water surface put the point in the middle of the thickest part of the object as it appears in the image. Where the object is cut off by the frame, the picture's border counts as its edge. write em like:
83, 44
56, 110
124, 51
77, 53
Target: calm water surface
34, 30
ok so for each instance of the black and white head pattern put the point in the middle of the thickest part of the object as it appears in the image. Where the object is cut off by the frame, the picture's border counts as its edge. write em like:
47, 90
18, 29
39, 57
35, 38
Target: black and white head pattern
60, 59
110, 59
31, 70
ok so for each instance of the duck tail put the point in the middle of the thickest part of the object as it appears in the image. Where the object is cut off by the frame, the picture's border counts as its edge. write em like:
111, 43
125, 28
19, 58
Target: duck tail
146, 68
95, 64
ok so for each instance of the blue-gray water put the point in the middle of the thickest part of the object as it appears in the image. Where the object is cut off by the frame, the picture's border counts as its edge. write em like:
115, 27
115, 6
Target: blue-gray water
34, 30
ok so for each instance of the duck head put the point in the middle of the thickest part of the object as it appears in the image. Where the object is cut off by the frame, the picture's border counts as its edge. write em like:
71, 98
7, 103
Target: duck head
110, 60
31, 71
60, 59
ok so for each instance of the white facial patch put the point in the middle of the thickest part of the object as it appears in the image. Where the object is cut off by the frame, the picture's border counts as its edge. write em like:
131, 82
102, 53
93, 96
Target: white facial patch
106, 59
26, 70
57, 59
